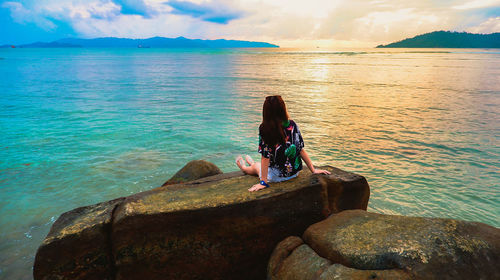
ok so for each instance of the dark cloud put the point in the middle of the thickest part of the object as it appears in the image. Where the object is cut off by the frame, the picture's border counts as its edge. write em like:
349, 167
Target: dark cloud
135, 7
211, 12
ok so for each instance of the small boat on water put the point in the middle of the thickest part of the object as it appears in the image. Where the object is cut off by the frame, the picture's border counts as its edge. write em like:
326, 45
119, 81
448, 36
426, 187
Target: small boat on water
143, 47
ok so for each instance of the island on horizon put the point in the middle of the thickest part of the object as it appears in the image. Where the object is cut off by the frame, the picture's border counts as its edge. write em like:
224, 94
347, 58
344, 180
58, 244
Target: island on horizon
154, 42
448, 39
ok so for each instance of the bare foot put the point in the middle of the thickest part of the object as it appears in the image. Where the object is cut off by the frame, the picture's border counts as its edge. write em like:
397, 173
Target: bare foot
249, 159
240, 162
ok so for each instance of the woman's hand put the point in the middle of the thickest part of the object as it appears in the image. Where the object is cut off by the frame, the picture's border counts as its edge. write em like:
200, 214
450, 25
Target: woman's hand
321, 171
310, 165
256, 187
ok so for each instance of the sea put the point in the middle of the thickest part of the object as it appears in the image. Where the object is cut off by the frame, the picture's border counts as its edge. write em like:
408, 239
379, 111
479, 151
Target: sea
81, 126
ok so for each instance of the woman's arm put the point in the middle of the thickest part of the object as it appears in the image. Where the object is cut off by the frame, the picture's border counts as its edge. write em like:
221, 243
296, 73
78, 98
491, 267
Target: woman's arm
264, 164
309, 164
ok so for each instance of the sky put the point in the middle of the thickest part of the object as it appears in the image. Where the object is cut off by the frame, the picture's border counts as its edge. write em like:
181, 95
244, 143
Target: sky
288, 23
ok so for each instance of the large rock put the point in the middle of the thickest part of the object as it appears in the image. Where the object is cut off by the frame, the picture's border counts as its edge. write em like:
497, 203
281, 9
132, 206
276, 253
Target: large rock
193, 170
78, 245
211, 228
360, 245
293, 259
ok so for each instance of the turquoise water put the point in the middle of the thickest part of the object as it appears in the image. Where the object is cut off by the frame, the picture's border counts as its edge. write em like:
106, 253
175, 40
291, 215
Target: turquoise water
80, 126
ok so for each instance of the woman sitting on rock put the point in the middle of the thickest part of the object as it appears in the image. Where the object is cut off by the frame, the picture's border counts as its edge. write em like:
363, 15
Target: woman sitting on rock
281, 146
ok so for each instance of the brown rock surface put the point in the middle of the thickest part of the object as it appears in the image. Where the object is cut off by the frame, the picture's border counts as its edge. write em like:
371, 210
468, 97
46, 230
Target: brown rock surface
210, 228
77, 246
346, 190
293, 259
362, 245
193, 170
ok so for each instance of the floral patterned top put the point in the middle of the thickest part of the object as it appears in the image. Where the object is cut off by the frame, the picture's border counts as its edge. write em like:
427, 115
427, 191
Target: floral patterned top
285, 157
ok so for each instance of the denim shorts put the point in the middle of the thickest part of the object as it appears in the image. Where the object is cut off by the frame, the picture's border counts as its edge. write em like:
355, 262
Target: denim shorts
273, 175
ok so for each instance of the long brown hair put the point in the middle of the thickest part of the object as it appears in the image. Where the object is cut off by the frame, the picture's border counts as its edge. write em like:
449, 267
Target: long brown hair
274, 113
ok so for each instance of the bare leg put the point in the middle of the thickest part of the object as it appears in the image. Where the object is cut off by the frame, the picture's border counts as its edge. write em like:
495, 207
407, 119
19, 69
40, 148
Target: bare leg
253, 169
241, 164
250, 160
256, 168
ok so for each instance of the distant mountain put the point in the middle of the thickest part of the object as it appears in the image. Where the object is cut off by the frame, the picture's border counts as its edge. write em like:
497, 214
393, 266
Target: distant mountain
155, 42
447, 39
50, 45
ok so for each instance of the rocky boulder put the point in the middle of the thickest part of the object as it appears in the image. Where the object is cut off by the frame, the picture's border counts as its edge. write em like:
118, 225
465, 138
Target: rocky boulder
360, 245
193, 170
210, 228
78, 245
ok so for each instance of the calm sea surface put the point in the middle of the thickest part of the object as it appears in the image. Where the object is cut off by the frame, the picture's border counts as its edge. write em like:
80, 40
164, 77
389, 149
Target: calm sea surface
80, 126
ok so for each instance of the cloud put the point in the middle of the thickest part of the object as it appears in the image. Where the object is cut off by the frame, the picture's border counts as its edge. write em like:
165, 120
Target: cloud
74, 11
363, 23
383, 21
22, 15
135, 7
211, 11
491, 25
476, 4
